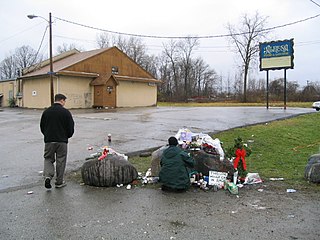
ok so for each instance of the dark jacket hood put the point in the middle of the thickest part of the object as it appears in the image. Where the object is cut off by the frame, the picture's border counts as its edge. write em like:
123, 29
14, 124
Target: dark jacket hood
172, 151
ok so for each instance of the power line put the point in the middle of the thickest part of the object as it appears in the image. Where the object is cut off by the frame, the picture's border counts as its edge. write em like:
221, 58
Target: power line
183, 37
37, 53
315, 3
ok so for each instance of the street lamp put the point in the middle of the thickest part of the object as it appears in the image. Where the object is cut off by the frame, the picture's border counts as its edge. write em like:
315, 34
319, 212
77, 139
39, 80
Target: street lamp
50, 54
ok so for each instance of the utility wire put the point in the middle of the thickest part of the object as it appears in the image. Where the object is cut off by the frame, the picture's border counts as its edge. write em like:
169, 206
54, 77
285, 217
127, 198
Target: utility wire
183, 37
37, 53
315, 3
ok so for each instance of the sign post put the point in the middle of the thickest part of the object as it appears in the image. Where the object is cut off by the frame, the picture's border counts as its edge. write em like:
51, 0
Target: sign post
276, 55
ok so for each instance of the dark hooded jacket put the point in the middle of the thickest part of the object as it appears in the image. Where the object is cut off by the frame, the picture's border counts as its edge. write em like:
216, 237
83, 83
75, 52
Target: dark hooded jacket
175, 164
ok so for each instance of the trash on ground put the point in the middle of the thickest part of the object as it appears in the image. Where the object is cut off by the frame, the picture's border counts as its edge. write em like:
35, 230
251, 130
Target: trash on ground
232, 188
290, 190
276, 179
252, 178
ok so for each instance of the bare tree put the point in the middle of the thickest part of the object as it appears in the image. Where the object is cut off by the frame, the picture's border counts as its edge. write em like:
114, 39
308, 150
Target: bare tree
26, 56
8, 68
65, 47
103, 40
205, 78
246, 38
170, 54
22, 57
150, 64
186, 48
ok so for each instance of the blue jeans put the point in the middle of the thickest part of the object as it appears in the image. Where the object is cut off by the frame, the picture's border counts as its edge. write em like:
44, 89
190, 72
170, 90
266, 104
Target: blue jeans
55, 152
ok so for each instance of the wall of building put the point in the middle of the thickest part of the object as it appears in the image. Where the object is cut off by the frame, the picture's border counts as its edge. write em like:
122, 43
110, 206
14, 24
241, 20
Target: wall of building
136, 94
79, 93
36, 92
9, 90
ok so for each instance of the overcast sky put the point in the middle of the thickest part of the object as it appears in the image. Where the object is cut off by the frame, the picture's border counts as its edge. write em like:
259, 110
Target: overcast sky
167, 18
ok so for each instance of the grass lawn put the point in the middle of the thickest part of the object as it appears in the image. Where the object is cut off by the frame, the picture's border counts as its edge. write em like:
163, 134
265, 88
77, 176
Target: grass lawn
235, 104
279, 148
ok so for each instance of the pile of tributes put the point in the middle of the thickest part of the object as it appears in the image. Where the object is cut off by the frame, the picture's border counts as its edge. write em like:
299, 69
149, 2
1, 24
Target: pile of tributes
213, 169
197, 141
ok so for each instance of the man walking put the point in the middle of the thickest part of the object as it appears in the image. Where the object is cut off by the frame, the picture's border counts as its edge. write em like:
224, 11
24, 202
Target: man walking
57, 126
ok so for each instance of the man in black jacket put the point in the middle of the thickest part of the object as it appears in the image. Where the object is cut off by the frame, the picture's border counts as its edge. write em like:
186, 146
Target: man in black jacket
57, 126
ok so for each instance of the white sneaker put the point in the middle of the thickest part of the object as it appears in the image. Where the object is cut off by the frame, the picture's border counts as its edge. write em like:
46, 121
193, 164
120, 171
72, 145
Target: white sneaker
63, 184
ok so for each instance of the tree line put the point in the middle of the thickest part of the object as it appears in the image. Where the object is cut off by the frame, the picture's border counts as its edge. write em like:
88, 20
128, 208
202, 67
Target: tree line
184, 76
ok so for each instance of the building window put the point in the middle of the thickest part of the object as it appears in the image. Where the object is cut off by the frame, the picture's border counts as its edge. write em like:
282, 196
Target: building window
109, 89
114, 70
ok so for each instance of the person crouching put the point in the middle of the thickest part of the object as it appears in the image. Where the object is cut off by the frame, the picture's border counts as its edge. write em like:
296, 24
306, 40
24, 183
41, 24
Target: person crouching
175, 167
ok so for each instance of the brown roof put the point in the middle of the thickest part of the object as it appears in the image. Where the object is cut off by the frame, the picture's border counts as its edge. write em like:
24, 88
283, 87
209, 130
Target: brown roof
68, 61
136, 79
101, 79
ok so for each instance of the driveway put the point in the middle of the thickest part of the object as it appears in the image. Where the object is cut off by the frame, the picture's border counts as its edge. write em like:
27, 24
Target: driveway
132, 130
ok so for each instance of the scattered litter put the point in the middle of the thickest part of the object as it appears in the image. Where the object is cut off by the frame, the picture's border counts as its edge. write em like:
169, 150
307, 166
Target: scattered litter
276, 179
148, 173
129, 186
5, 176
290, 190
291, 216
233, 189
119, 185
82, 184
252, 178
30, 192
260, 190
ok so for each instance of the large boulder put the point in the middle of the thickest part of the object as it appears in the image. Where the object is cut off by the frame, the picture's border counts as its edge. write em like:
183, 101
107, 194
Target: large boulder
155, 161
312, 170
108, 172
204, 162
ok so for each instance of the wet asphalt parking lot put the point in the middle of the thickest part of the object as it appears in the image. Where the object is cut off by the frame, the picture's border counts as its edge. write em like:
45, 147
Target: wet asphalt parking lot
83, 212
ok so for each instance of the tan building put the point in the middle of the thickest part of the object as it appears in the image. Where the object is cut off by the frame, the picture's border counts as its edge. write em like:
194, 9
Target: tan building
9, 93
99, 78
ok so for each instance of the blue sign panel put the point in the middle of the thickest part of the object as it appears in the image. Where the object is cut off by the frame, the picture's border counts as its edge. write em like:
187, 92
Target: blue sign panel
276, 55
276, 49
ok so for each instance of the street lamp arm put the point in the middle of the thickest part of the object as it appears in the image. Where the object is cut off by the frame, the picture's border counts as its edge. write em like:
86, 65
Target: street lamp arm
32, 16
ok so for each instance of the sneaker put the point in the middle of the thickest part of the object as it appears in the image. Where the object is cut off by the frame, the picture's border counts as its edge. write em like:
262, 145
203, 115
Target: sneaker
63, 184
47, 183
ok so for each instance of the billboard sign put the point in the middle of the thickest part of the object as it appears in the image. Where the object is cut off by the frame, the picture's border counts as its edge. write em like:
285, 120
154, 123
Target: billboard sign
276, 55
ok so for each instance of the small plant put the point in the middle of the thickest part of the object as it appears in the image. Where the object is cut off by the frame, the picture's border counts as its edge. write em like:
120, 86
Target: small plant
12, 102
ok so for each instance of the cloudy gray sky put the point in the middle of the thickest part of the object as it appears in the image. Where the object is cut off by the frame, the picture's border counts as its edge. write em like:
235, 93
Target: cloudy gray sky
167, 18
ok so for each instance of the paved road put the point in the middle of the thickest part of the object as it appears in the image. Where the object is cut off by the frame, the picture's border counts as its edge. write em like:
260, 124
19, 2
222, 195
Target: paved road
28, 211
132, 130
